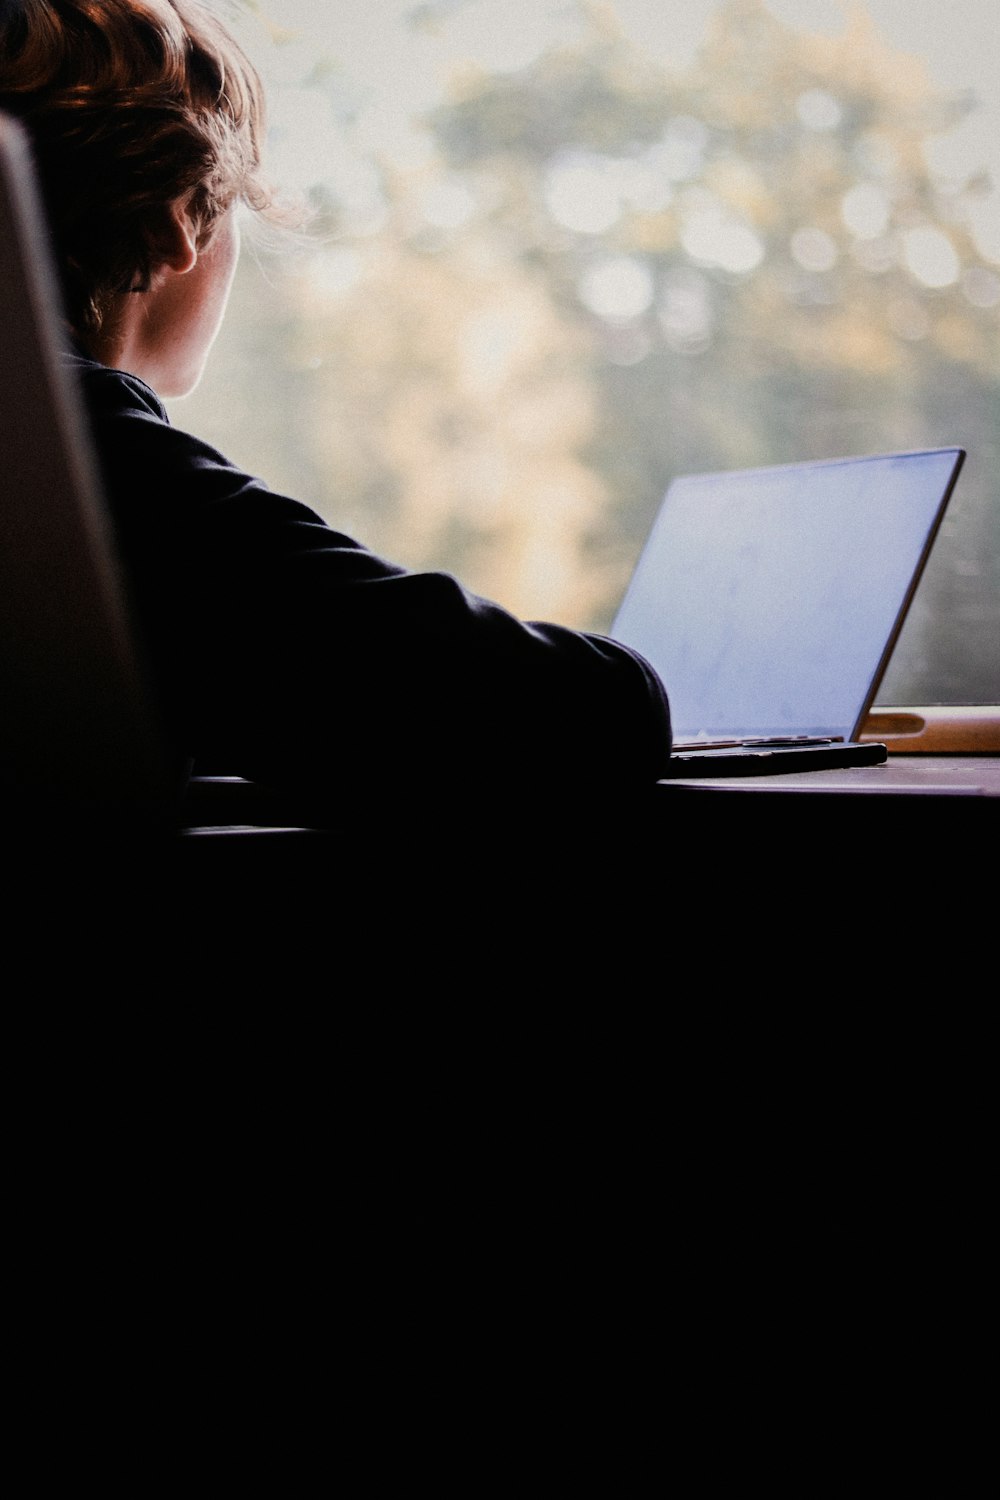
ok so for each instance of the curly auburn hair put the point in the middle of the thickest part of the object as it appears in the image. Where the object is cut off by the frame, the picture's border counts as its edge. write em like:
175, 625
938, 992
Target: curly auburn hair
130, 106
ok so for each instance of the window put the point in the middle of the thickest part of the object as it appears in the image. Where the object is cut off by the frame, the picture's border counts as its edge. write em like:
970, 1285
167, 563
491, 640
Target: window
563, 251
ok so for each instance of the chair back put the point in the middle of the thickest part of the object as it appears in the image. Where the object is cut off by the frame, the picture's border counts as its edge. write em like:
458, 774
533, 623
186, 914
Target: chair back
79, 734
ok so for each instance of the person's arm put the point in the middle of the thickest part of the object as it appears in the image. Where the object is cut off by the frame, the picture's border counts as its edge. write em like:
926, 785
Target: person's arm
288, 652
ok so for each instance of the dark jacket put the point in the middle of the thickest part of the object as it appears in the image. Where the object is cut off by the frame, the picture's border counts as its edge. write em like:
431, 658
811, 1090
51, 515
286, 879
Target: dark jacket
286, 652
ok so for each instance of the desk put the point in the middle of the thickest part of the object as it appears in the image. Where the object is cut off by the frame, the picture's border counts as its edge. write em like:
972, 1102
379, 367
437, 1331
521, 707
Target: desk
901, 776
724, 884
908, 848
926, 819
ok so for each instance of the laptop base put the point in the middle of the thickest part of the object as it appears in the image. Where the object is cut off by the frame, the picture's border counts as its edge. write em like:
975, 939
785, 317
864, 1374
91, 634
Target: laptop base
773, 762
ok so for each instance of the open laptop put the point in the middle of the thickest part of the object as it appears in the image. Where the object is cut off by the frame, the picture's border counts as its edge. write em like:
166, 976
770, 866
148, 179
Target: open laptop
769, 601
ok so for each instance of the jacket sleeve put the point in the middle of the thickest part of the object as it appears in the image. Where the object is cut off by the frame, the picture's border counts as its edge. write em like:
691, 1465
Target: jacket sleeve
286, 651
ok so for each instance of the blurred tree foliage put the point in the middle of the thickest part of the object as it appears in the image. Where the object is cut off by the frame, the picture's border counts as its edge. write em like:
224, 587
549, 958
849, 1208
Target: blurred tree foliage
606, 273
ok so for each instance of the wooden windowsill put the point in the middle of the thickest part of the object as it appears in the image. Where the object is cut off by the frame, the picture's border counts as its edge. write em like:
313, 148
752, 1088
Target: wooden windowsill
939, 729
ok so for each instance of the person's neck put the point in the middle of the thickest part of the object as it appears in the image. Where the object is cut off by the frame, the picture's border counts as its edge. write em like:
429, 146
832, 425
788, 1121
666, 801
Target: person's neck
115, 343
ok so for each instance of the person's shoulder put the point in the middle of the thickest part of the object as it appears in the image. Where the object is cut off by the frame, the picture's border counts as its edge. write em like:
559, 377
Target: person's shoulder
108, 391
157, 473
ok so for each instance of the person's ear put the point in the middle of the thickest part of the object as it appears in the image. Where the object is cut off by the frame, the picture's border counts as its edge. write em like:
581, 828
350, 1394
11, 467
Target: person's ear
175, 240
